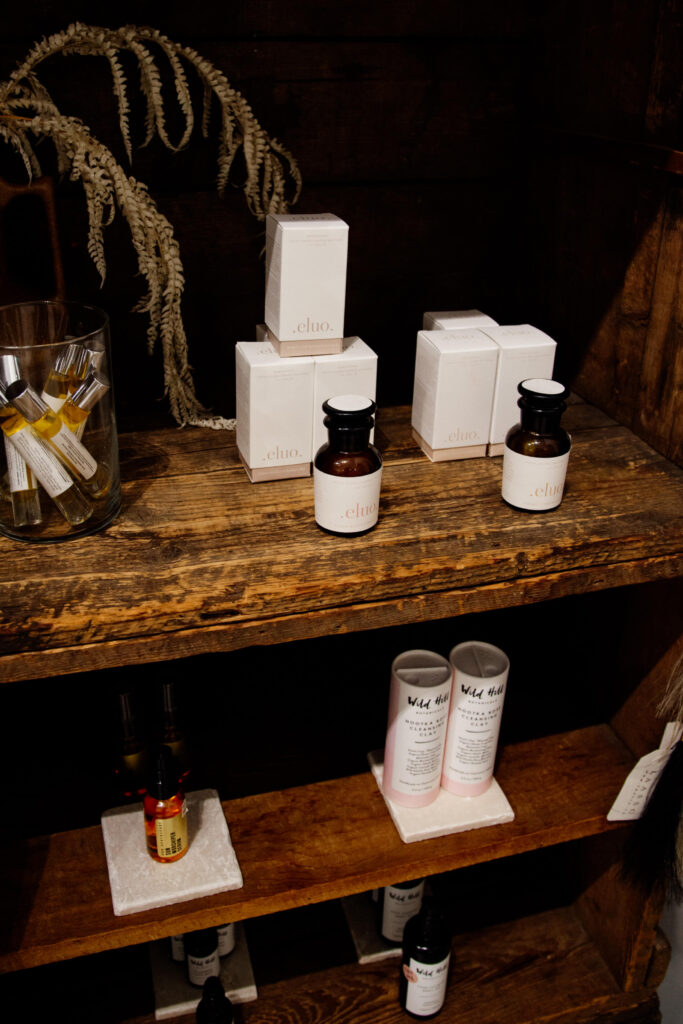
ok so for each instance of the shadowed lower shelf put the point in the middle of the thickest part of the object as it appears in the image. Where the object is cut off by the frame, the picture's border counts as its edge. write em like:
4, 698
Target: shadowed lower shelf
299, 846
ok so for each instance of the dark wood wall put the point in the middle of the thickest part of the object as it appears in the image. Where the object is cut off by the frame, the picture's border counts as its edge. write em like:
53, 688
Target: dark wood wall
494, 155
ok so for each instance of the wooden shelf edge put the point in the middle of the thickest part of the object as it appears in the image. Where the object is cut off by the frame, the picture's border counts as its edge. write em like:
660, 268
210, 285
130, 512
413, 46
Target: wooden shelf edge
407, 609
299, 846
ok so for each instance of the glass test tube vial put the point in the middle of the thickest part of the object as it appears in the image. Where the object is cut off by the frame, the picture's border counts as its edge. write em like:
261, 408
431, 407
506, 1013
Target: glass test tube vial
49, 471
93, 475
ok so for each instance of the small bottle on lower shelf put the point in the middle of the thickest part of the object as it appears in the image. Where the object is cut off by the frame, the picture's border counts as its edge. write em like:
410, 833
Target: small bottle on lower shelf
214, 1007
396, 905
201, 956
426, 959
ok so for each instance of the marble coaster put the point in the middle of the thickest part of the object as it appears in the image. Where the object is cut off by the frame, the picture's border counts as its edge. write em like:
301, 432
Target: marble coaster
447, 814
139, 883
361, 917
173, 994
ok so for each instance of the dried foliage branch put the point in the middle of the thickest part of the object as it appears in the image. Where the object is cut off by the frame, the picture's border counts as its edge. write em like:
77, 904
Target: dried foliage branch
28, 115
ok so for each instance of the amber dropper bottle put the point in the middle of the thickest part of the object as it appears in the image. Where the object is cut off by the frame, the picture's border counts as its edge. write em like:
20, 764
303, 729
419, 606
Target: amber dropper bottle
94, 476
130, 770
165, 810
537, 450
172, 732
347, 471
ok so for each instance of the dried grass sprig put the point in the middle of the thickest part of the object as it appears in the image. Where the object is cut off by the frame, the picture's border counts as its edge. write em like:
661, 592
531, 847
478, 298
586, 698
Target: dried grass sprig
28, 114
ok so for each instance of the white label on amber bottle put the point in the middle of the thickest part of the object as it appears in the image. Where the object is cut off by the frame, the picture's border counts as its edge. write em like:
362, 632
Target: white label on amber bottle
533, 483
426, 989
36, 453
399, 905
171, 834
346, 504
74, 452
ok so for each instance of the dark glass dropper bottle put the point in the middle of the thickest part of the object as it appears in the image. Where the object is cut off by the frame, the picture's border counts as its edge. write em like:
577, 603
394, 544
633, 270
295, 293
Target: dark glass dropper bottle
537, 449
343, 505
131, 766
214, 1007
172, 732
425, 964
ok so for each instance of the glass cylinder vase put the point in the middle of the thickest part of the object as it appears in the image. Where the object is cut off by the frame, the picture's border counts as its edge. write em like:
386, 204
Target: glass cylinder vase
59, 465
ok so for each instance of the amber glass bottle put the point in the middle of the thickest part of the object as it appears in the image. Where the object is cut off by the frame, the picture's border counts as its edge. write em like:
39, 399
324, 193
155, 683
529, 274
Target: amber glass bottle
131, 764
165, 810
172, 733
347, 471
537, 451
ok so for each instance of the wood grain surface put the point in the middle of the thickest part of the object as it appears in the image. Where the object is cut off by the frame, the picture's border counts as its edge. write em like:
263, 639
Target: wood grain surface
201, 560
304, 845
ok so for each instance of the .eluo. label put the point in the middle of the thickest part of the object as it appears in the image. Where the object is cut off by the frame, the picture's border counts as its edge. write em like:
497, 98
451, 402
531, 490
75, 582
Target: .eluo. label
346, 504
426, 989
533, 483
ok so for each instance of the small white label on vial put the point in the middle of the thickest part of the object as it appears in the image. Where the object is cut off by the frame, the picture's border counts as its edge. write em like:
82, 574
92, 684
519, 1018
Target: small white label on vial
17, 470
36, 453
74, 452
531, 483
346, 504
54, 403
178, 948
426, 989
398, 907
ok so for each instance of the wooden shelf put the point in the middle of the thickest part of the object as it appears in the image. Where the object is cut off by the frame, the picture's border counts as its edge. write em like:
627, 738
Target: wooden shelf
539, 969
304, 845
201, 560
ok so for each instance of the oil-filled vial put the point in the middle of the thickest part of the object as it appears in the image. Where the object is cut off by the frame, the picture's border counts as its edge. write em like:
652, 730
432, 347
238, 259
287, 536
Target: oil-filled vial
347, 471
537, 451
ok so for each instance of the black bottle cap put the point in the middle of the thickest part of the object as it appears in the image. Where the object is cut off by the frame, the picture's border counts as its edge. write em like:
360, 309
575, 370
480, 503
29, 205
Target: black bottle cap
162, 781
349, 410
214, 1007
542, 395
201, 943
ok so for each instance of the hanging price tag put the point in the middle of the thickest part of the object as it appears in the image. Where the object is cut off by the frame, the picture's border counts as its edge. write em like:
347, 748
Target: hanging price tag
642, 779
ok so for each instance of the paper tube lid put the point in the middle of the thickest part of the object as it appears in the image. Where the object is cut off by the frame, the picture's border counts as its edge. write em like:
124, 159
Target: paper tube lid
26, 401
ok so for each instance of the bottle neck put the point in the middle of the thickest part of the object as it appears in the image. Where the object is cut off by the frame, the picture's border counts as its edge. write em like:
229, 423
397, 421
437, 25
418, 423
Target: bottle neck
349, 439
541, 422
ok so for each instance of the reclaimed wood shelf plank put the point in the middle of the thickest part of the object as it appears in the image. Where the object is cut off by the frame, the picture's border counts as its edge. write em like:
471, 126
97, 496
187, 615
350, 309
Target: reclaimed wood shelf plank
303, 845
201, 560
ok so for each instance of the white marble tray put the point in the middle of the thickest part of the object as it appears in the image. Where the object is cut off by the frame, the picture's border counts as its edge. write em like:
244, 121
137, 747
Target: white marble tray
448, 814
140, 883
173, 994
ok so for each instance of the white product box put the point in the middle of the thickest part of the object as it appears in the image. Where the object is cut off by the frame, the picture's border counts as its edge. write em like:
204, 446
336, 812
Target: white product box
455, 374
306, 257
524, 352
457, 320
352, 372
274, 401
307, 347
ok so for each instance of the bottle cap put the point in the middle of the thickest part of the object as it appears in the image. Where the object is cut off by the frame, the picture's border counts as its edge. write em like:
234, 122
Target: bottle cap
349, 406
542, 395
201, 943
214, 1007
162, 782
9, 369
4, 401
90, 391
71, 361
26, 401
